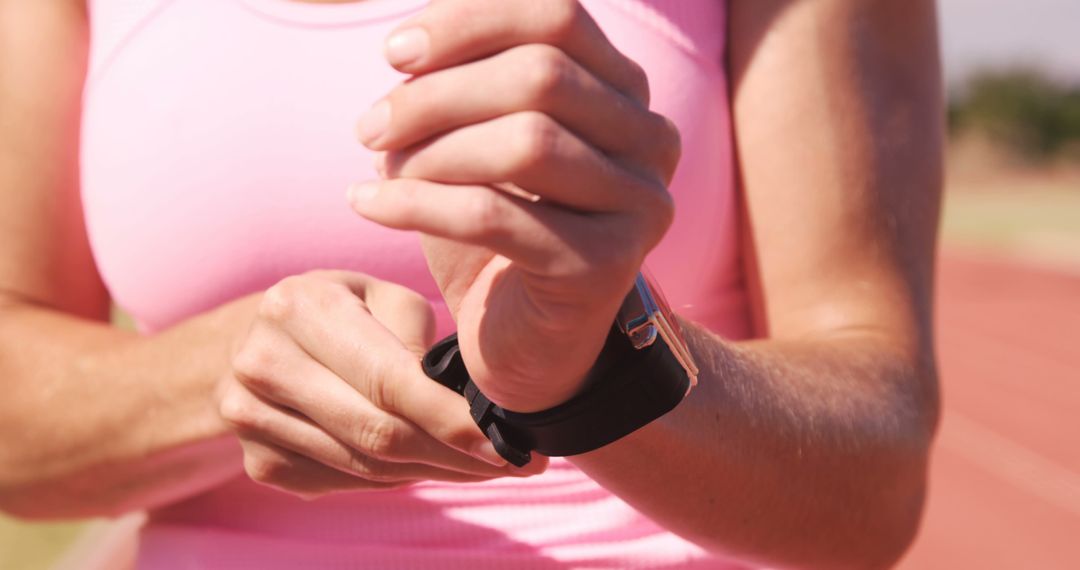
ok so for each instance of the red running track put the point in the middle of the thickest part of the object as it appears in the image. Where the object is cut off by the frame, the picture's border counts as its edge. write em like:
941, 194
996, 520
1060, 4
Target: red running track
1005, 475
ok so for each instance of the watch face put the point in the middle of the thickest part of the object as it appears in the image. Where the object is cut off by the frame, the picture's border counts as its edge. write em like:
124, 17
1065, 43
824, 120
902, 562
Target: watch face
636, 315
646, 316
662, 305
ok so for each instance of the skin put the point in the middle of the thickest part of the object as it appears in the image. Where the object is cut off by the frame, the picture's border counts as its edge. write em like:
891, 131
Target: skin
111, 421
826, 424
805, 448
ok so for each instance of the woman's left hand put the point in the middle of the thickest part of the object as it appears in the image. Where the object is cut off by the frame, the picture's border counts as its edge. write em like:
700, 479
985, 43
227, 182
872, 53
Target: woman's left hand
521, 95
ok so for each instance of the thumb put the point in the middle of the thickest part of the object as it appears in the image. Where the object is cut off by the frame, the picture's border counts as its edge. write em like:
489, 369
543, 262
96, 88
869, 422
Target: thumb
454, 266
404, 312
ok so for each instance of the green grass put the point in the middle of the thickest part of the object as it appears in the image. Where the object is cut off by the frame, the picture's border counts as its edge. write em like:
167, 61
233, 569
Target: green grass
26, 546
1040, 223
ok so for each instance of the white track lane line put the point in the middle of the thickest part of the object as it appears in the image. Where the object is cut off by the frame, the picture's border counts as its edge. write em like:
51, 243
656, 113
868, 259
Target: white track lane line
1012, 462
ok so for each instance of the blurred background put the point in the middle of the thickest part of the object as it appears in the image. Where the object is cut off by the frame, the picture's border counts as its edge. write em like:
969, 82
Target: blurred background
1005, 479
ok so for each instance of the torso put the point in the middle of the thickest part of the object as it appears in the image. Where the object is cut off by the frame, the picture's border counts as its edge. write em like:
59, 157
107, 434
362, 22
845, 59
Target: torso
217, 146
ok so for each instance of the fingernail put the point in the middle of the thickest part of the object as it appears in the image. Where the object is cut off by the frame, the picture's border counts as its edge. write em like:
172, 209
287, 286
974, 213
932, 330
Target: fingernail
362, 192
407, 46
485, 451
374, 123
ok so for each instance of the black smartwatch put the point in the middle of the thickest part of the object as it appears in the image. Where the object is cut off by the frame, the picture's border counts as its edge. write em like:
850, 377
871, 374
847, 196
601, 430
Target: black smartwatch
643, 371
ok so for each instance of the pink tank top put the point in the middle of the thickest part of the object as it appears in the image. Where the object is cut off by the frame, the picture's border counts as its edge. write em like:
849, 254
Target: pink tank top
217, 146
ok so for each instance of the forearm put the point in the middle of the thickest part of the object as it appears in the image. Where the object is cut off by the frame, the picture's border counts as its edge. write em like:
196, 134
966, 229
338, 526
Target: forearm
99, 420
808, 452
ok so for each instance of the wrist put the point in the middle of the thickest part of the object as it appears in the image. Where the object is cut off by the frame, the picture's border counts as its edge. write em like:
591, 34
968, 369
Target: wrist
541, 398
644, 370
628, 387
191, 359
541, 376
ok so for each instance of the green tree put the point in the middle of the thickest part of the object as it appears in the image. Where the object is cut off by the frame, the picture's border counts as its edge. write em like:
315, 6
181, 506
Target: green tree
1022, 109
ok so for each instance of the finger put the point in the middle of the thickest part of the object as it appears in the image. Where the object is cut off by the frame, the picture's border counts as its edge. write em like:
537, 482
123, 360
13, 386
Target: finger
534, 152
388, 302
379, 439
402, 389
452, 32
540, 238
342, 336
530, 77
407, 314
256, 419
283, 373
291, 472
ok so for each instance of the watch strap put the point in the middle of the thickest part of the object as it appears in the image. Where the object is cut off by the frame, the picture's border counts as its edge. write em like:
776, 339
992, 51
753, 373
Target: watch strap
626, 389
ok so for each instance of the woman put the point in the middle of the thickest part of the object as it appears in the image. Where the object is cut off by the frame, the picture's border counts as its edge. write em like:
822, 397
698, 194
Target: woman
214, 150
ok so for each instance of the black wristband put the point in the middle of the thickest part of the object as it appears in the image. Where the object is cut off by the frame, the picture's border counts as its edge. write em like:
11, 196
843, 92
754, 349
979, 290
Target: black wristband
625, 390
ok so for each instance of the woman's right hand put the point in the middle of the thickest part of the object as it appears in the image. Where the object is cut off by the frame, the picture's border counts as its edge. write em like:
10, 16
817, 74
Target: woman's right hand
326, 393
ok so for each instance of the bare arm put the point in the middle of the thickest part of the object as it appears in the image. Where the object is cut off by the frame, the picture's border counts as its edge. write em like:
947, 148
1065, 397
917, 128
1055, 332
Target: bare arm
809, 448
805, 448
95, 420
104, 421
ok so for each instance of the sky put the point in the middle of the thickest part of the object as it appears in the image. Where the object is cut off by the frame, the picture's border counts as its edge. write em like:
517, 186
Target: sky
986, 33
